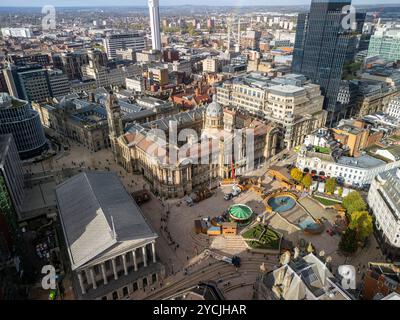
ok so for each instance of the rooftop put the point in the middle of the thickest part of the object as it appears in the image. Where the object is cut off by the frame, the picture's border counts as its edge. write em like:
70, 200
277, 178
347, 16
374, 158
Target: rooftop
304, 279
99, 218
363, 162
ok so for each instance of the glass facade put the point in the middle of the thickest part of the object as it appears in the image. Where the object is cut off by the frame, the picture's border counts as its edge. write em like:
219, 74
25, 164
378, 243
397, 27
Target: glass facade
19, 119
385, 43
322, 47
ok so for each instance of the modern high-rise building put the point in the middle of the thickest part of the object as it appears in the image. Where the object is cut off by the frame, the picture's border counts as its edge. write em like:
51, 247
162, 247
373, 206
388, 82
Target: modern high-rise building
116, 42
11, 171
18, 118
71, 63
29, 83
322, 47
155, 24
385, 43
34, 83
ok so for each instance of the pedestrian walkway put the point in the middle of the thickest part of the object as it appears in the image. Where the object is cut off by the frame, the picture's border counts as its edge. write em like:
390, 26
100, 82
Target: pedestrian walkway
229, 245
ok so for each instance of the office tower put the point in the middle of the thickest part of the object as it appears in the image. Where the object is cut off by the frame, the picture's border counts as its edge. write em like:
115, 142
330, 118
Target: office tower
155, 24
116, 42
59, 83
322, 48
11, 172
11, 196
42, 59
19, 119
98, 57
71, 63
385, 43
33, 83
29, 83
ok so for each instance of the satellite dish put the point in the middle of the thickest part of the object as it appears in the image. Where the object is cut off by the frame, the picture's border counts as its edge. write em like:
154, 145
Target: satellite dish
322, 253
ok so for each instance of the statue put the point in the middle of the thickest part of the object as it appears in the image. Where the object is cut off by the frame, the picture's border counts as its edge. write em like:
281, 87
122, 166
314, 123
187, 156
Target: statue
310, 248
285, 258
296, 252
263, 268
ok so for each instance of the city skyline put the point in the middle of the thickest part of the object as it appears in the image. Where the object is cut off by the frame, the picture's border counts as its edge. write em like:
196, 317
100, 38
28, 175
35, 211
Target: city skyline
214, 151
242, 3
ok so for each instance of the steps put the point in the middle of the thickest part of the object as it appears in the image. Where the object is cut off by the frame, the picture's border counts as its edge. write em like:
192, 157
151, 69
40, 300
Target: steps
232, 245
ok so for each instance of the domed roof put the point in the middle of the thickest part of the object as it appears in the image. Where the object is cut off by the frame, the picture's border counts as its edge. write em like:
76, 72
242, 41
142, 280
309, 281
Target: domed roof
214, 109
240, 212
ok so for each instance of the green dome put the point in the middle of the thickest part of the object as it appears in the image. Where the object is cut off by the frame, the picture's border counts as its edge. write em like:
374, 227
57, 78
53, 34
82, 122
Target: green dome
240, 212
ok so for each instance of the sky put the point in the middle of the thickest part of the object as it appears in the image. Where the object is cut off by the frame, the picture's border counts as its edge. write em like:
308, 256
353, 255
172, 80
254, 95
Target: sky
63, 3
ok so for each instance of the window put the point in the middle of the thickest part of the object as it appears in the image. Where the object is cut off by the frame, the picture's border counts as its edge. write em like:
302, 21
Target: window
135, 286
154, 278
125, 291
115, 295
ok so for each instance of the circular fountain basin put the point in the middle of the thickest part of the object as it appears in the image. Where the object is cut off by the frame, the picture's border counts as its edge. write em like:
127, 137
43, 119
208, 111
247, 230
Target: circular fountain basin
281, 203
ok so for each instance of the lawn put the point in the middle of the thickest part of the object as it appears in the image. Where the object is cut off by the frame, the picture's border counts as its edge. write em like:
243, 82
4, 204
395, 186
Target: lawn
322, 150
326, 202
261, 237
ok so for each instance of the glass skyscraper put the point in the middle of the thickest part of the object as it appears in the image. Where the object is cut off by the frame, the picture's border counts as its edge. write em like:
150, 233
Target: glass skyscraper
322, 47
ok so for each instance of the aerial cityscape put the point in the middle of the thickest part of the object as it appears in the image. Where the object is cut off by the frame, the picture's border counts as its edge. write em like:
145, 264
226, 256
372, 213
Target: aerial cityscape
200, 151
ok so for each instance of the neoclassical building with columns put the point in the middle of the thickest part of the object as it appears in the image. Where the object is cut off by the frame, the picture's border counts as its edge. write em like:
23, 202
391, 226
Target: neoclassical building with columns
112, 249
147, 148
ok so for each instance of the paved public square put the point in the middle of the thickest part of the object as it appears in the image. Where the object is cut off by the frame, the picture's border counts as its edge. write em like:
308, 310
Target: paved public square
180, 248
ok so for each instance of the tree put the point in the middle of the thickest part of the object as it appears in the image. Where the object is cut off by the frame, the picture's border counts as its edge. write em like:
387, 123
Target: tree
307, 180
340, 191
354, 202
330, 185
296, 174
348, 241
361, 223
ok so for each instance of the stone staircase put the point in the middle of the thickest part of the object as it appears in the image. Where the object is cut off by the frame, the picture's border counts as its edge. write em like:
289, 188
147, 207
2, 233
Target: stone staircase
230, 245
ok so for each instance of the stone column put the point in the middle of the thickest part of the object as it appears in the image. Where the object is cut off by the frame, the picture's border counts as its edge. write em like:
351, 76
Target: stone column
80, 278
134, 260
103, 271
88, 276
92, 276
144, 256
153, 248
125, 265
114, 265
